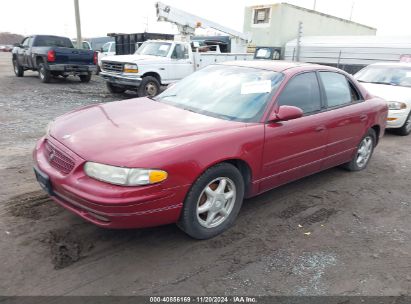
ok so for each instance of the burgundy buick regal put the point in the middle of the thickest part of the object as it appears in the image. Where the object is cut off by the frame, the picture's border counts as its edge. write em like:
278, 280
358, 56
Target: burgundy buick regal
193, 153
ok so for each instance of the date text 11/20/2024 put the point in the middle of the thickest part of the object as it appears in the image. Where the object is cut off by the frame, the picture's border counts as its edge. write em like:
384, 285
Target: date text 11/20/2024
203, 299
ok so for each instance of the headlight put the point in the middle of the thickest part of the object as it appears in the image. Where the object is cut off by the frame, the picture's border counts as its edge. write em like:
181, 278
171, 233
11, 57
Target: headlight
124, 176
130, 68
396, 105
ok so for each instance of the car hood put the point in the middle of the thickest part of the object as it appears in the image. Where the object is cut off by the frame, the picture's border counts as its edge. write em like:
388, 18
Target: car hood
138, 59
389, 92
122, 131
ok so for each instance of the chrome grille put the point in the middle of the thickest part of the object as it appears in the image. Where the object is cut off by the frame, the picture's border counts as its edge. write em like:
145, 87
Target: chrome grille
58, 159
111, 66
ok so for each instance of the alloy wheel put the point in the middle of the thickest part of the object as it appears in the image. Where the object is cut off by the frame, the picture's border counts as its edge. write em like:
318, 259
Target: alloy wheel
216, 202
408, 124
364, 151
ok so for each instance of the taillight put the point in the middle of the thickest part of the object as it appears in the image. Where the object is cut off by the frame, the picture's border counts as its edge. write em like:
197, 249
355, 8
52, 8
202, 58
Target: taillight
51, 56
95, 58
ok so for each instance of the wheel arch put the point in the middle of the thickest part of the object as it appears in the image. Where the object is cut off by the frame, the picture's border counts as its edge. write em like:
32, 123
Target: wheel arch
153, 74
241, 165
377, 130
38, 60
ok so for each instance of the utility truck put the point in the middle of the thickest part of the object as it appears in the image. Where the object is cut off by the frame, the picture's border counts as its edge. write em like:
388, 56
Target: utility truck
161, 62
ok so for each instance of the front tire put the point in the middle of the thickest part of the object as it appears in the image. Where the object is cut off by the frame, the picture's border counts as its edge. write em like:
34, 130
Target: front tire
18, 69
85, 78
406, 128
149, 86
115, 89
363, 153
213, 202
44, 74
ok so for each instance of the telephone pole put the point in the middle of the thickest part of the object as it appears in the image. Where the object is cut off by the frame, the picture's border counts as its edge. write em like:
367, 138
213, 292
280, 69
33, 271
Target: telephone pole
78, 24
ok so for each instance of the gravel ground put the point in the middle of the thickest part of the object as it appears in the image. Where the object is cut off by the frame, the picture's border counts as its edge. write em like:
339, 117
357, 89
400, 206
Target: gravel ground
334, 233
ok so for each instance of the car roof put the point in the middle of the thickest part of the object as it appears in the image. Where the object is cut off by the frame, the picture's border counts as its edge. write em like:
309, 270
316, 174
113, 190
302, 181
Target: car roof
394, 64
276, 65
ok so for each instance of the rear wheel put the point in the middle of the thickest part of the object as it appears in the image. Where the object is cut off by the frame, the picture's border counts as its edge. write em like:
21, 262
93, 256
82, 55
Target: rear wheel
115, 89
406, 128
85, 78
364, 152
213, 202
44, 74
149, 86
18, 69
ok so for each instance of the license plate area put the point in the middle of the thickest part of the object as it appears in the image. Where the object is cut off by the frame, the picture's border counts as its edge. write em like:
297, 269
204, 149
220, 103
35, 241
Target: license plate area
43, 180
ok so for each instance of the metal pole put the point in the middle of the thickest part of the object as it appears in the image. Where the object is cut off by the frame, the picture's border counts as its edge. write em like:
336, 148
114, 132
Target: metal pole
352, 9
78, 25
339, 58
315, 4
299, 34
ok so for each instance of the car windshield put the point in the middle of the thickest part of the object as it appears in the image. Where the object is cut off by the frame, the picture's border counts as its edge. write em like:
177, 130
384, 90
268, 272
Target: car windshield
53, 41
227, 92
390, 75
154, 49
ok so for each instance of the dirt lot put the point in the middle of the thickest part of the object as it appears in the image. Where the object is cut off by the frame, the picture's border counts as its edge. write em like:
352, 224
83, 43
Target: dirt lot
354, 240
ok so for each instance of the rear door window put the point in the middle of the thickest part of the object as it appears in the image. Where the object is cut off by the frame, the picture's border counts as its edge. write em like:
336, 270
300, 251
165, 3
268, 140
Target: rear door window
337, 89
302, 91
53, 41
180, 52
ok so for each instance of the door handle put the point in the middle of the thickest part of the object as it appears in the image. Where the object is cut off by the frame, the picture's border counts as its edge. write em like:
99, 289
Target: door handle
363, 117
320, 129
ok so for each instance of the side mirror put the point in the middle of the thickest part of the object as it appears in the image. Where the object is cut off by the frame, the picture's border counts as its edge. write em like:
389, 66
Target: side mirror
101, 49
286, 113
17, 44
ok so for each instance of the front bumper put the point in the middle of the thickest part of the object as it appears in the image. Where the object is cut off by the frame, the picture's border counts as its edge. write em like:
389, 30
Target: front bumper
73, 68
397, 118
107, 205
126, 80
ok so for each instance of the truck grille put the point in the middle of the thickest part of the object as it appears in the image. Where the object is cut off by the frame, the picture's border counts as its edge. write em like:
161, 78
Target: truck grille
111, 66
58, 159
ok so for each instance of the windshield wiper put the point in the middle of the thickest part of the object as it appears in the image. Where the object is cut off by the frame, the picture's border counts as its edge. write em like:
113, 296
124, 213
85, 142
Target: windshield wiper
378, 82
171, 95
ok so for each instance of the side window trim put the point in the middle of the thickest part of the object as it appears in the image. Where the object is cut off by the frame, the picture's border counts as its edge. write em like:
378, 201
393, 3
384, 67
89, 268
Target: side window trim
319, 88
361, 97
324, 96
25, 40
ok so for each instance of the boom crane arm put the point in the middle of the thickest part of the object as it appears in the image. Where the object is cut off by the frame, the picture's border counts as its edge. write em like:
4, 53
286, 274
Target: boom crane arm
187, 23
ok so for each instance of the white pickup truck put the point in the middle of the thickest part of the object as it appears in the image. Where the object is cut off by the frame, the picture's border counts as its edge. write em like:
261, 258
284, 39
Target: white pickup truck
156, 63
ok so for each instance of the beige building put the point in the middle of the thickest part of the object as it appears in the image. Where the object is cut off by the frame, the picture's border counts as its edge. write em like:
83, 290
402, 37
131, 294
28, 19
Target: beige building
275, 24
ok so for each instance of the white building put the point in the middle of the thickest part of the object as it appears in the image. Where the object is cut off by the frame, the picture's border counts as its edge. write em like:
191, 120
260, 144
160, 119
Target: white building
274, 25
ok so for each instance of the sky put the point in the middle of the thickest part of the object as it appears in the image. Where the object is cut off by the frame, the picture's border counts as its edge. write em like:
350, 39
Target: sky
99, 17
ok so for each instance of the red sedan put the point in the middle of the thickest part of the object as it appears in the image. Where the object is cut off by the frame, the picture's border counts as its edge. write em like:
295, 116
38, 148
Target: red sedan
192, 154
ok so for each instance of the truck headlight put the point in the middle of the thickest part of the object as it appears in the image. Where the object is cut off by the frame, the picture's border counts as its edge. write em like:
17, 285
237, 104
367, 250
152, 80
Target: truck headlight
130, 68
396, 105
124, 176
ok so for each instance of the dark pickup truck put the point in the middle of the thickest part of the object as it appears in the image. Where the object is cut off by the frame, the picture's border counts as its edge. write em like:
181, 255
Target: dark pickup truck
53, 56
